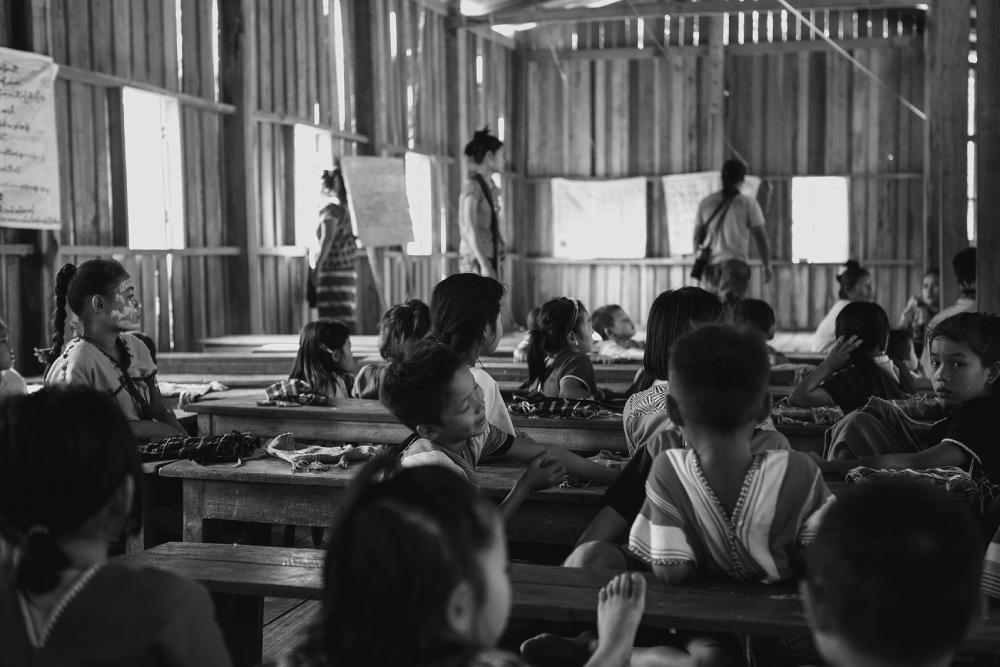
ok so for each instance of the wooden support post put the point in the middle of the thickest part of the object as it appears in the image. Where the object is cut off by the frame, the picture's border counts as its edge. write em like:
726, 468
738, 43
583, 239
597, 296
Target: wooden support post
947, 106
713, 97
988, 154
238, 55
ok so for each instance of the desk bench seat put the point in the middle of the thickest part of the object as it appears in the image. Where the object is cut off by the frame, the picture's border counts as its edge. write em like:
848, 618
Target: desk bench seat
241, 576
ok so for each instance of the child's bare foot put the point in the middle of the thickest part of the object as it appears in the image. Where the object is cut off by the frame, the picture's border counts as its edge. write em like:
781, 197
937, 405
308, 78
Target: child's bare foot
620, 605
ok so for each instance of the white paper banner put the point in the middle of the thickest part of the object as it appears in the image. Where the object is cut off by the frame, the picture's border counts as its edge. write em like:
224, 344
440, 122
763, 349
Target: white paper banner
29, 164
599, 219
376, 196
681, 195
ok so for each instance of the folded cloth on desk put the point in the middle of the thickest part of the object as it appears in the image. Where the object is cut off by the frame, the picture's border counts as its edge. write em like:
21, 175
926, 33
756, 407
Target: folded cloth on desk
224, 448
317, 458
189, 392
292, 393
952, 479
535, 404
825, 416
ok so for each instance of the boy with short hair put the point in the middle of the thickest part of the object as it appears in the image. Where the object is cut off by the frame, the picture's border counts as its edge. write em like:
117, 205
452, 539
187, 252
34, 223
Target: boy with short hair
893, 577
714, 508
432, 391
616, 330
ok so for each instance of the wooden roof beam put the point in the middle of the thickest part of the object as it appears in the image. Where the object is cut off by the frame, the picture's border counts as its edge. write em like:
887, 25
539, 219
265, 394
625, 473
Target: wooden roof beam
674, 8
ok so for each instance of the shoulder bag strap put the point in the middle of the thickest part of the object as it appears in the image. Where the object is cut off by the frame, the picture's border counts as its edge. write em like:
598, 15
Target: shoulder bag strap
717, 217
494, 223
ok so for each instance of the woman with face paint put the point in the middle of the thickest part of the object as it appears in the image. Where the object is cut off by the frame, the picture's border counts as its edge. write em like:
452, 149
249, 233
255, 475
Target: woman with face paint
105, 355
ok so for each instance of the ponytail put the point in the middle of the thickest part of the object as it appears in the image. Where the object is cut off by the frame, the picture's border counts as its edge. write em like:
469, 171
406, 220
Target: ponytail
556, 320
60, 291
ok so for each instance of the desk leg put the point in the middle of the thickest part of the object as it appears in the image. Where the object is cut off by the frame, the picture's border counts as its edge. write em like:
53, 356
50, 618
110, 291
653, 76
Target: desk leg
146, 535
194, 510
241, 618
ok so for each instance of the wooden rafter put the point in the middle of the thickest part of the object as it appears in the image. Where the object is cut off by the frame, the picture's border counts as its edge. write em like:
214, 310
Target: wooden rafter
623, 10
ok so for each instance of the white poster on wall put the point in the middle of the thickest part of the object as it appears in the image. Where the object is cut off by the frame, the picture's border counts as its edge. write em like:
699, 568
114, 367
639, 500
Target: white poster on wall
29, 165
376, 196
681, 195
594, 219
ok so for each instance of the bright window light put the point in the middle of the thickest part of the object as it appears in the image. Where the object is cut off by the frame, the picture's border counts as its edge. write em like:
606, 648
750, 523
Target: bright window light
820, 219
341, 72
153, 170
420, 194
313, 155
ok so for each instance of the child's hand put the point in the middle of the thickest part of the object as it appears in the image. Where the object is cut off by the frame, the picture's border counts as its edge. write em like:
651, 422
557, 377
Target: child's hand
542, 472
520, 356
840, 353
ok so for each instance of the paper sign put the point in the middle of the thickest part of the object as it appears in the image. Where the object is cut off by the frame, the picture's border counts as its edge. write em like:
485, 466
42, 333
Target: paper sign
376, 197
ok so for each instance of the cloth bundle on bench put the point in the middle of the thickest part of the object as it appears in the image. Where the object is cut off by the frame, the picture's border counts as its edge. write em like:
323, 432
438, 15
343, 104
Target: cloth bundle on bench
783, 414
316, 458
225, 448
291, 394
535, 404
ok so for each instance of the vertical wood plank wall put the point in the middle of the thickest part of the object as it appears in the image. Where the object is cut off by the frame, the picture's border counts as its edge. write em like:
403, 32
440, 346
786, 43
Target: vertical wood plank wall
791, 108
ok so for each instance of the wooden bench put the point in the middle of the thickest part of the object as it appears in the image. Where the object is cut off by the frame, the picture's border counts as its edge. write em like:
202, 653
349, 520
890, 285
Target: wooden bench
355, 420
267, 492
239, 578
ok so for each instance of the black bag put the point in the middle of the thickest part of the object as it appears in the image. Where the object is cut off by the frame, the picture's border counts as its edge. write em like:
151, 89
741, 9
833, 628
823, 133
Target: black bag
705, 241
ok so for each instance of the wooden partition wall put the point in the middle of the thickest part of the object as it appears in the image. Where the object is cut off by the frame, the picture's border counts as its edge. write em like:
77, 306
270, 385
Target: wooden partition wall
596, 106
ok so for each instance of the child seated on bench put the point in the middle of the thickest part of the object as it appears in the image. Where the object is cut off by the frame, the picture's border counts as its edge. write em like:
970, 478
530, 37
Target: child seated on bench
401, 326
416, 574
432, 391
757, 315
616, 330
893, 577
69, 475
324, 360
558, 365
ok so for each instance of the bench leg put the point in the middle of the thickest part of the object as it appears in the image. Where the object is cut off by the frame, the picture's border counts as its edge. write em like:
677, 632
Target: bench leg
241, 618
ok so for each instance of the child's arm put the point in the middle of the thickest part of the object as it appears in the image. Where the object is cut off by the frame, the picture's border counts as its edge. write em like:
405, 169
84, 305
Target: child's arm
808, 393
160, 411
524, 449
607, 526
941, 454
542, 472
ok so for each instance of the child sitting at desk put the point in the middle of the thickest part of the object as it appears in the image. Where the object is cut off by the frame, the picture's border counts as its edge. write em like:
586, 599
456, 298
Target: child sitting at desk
714, 507
432, 391
107, 356
757, 315
11, 382
324, 360
856, 367
416, 574
69, 474
616, 330
558, 365
401, 326
893, 577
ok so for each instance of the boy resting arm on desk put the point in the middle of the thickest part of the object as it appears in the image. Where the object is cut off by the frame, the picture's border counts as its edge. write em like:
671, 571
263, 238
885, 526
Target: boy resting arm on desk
432, 391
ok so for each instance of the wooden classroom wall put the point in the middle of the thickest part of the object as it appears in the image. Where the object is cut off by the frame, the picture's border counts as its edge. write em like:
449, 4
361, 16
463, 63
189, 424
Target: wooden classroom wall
102, 45
604, 110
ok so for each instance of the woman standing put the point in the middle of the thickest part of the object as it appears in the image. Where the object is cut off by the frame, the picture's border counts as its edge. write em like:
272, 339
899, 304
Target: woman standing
482, 248
336, 277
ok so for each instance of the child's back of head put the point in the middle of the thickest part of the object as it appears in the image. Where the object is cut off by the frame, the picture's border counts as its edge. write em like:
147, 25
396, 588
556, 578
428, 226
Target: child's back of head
65, 453
753, 314
719, 377
672, 314
416, 386
403, 542
324, 355
867, 321
893, 576
402, 325
464, 307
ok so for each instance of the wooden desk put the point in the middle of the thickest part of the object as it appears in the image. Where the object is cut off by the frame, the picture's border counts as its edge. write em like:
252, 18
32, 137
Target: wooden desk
356, 420
241, 576
268, 492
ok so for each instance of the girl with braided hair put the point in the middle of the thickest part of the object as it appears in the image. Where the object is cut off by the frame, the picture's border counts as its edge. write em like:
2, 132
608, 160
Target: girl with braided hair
558, 361
68, 476
482, 248
105, 355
